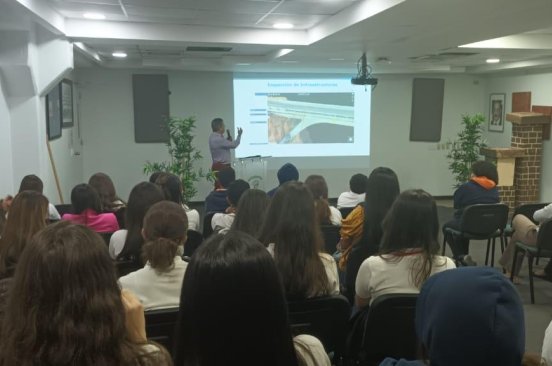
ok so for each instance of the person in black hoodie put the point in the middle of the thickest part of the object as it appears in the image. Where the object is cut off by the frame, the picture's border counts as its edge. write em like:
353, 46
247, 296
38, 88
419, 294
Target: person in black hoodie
481, 188
468, 316
287, 173
217, 201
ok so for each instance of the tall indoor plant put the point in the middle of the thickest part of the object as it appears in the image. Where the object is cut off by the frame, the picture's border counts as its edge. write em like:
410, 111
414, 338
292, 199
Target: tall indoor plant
466, 147
183, 155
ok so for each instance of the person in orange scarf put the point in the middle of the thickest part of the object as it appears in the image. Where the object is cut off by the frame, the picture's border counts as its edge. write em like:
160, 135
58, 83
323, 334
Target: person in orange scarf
481, 188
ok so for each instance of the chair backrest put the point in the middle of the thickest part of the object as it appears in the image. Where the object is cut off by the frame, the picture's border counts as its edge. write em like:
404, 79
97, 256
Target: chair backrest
193, 241
161, 326
345, 211
326, 318
389, 330
124, 267
528, 210
544, 238
120, 215
207, 228
484, 219
331, 237
63, 209
106, 237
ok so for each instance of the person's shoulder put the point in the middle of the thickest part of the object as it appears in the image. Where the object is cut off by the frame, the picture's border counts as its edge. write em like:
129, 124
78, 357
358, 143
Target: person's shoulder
326, 257
311, 350
444, 262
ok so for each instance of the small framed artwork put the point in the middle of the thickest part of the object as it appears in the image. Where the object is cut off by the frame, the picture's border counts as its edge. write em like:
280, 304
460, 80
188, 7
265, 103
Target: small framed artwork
67, 103
53, 113
497, 106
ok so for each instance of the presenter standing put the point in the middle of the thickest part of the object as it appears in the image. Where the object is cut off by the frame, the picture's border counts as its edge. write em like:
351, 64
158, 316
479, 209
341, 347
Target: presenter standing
220, 146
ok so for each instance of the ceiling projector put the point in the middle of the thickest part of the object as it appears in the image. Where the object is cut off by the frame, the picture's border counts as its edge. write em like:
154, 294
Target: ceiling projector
364, 76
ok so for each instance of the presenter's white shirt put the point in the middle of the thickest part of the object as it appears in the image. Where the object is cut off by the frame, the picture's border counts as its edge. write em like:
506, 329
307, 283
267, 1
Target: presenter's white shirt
156, 290
350, 199
378, 276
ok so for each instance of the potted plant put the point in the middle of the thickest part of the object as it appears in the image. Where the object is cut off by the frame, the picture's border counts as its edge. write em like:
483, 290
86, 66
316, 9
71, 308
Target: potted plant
183, 155
465, 148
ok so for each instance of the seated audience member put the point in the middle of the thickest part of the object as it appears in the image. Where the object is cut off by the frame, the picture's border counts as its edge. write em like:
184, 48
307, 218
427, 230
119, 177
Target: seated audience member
481, 188
287, 173
87, 207
216, 201
221, 222
127, 243
158, 284
172, 188
153, 177
251, 212
356, 193
28, 215
66, 308
408, 251
292, 235
34, 183
361, 230
326, 214
468, 316
103, 184
234, 274
547, 345
526, 232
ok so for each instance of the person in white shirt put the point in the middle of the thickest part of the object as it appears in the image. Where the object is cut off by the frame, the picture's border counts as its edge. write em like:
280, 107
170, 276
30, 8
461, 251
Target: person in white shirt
356, 193
233, 310
223, 221
326, 214
158, 284
408, 251
291, 232
172, 188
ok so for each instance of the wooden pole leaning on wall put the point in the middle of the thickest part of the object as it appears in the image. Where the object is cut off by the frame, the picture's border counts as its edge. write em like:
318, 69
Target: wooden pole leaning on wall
56, 177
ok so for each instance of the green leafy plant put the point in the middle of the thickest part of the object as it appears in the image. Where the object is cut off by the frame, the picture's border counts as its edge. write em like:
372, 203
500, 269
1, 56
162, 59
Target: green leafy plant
183, 156
465, 149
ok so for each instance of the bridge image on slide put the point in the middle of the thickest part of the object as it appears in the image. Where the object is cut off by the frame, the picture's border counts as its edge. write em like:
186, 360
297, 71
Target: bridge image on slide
305, 122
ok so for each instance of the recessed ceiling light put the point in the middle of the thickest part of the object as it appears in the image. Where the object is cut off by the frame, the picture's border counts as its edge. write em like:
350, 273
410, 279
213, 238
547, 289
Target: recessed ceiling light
337, 59
119, 54
95, 16
493, 60
283, 26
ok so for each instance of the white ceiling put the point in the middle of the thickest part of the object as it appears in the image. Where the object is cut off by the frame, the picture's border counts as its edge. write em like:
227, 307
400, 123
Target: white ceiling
329, 35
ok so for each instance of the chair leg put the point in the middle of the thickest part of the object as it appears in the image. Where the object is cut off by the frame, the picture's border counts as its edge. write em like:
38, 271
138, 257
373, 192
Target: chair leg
493, 252
487, 255
513, 268
503, 243
531, 287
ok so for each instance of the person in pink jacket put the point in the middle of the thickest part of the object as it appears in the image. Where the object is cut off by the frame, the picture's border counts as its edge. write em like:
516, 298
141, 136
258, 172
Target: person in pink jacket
86, 207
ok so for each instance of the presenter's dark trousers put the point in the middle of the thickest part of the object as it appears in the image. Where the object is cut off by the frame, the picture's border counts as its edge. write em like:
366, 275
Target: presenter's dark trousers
459, 246
218, 167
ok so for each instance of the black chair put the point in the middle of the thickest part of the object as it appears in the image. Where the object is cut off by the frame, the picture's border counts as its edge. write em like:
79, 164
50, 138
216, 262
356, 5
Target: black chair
482, 222
331, 237
106, 237
125, 267
161, 326
63, 209
326, 318
388, 330
345, 211
120, 215
192, 243
207, 228
542, 249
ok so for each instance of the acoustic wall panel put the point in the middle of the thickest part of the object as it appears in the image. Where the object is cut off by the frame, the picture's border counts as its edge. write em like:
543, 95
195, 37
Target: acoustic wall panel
151, 107
427, 109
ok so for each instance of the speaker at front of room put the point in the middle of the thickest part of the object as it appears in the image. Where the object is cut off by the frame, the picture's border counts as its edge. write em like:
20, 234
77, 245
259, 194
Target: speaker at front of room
426, 118
151, 107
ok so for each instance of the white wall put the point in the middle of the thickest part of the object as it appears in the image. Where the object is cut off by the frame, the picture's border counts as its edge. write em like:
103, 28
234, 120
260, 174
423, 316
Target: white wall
6, 181
539, 86
108, 128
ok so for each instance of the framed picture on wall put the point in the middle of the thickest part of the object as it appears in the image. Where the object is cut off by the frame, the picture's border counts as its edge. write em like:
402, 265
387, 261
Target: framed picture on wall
67, 103
497, 106
53, 113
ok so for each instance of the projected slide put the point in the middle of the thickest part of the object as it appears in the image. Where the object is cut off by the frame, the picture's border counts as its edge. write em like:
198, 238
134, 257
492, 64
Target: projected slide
293, 117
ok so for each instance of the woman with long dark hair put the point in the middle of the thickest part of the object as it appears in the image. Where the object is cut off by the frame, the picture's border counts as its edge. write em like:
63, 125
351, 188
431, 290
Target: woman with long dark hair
251, 212
87, 209
326, 214
103, 184
158, 284
408, 251
233, 310
361, 230
292, 234
28, 215
66, 308
172, 188
127, 243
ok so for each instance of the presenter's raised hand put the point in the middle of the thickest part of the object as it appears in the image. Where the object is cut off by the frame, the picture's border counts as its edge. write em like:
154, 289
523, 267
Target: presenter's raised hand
240, 131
